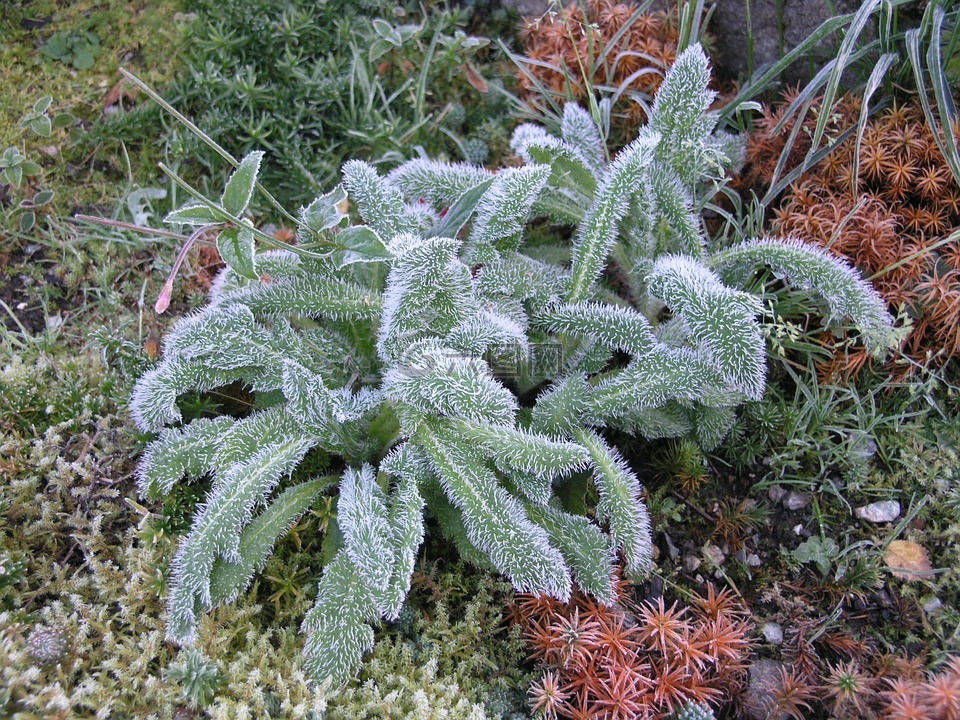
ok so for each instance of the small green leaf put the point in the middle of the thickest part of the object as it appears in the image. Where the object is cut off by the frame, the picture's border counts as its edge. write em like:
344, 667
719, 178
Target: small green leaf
13, 175
820, 551
239, 188
378, 48
41, 126
83, 59
27, 221
11, 156
324, 212
195, 214
386, 31
41, 105
360, 245
458, 213
57, 48
42, 198
30, 168
332, 540
237, 249
64, 120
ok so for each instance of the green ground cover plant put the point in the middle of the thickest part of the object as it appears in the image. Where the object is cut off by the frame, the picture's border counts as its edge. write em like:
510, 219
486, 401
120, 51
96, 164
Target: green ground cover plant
339, 79
88, 568
432, 321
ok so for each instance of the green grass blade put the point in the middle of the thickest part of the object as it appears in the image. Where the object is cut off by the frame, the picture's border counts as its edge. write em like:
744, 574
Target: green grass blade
943, 94
755, 87
873, 82
842, 61
219, 149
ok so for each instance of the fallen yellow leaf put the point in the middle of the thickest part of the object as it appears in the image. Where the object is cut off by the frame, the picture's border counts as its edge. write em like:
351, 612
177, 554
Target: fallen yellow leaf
908, 560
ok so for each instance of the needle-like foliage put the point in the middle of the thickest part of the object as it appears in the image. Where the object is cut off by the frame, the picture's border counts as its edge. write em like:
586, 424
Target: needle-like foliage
430, 348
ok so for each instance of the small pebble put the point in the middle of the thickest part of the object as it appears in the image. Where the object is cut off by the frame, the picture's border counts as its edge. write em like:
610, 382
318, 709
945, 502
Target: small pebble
672, 550
879, 512
691, 563
796, 500
776, 493
772, 633
932, 604
713, 555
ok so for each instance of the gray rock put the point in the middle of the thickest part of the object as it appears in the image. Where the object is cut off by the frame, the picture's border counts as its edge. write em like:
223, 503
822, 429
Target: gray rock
713, 555
748, 558
527, 8
758, 697
879, 512
772, 632
778, 26
691, 563
776, 493
932, 604
672, 550
796, 500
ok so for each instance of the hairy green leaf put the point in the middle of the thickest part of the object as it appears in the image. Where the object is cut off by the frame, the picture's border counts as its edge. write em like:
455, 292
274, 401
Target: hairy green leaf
237, 250
239, 188
228, 579
495, 521
621, 504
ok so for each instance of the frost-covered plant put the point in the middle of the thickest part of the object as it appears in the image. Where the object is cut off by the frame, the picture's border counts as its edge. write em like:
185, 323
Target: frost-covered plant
198, 676
448, 363
695, 711
46, 645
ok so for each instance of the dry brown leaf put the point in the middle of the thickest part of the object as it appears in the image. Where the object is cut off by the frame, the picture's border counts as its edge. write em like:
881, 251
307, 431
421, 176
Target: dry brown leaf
908, 560
151, 346
474, 77
118, 92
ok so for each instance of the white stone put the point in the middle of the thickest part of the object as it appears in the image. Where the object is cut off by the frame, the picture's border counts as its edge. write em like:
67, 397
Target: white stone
772, 633
796, 500
776, 493
879, 512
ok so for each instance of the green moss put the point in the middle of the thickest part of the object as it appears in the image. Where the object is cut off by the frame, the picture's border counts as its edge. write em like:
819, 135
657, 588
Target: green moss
138, 35
50, 390
93, 576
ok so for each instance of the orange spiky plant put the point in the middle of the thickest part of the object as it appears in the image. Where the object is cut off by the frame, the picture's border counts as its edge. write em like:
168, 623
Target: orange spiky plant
634, 662
599, 43
886, 212
792, 696
884, 686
